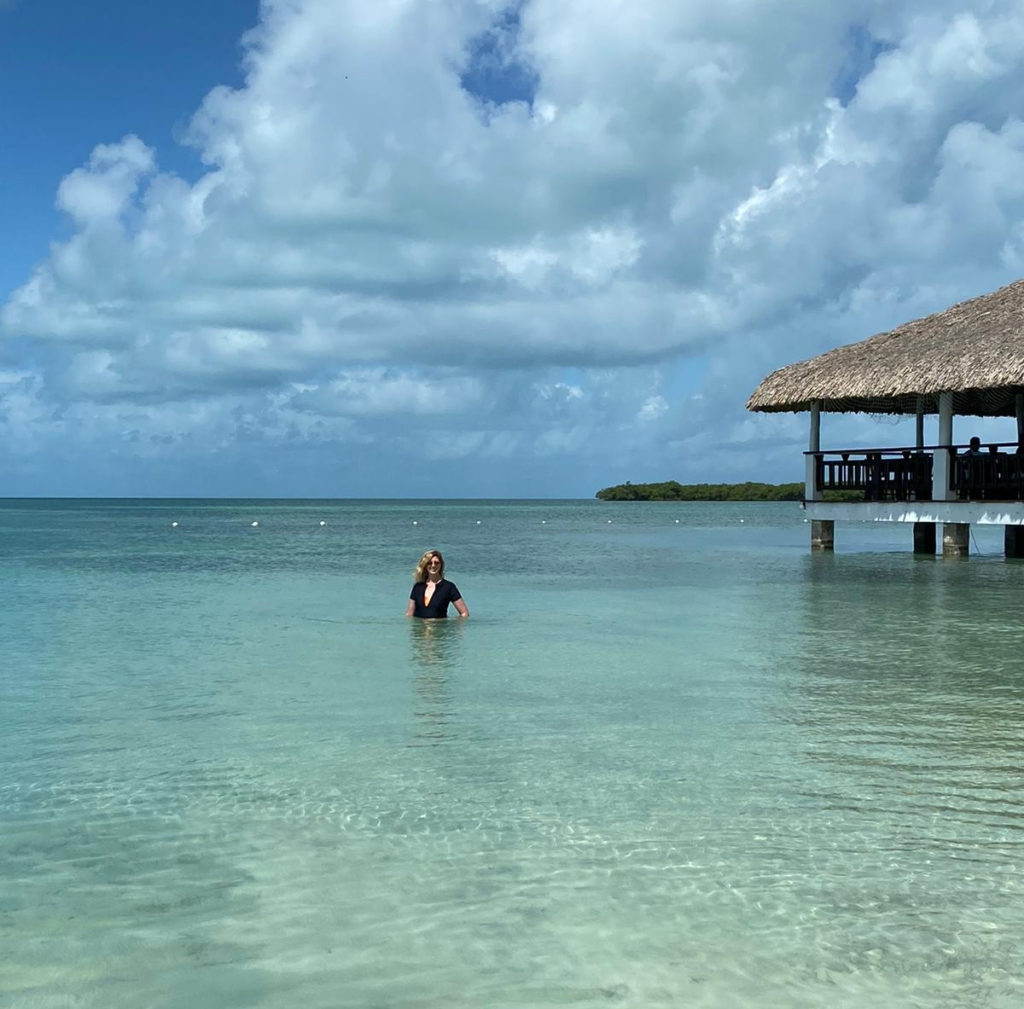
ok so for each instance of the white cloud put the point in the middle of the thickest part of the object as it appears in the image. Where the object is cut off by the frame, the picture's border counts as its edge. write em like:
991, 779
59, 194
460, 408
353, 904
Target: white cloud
380, 392
101, 192
653, 407
369, 242
22, 413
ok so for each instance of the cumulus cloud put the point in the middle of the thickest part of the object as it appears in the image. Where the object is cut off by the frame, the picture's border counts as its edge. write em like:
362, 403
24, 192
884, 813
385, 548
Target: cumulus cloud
373, 392
431, 211
99, 194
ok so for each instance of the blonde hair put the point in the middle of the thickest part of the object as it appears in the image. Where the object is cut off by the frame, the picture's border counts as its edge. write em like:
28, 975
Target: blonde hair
420, 573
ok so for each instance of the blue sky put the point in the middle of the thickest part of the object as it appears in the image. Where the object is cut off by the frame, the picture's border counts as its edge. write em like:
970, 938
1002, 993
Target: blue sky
74, 75
473, 248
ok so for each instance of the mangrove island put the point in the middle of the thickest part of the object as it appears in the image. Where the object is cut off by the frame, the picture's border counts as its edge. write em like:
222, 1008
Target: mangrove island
672, 490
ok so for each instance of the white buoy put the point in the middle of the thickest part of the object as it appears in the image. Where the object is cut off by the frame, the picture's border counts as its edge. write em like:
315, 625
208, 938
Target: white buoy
478, 521
322, 522
254, 524
609, 521
677, 521
414, 522
174, 525
543, 522
742, 521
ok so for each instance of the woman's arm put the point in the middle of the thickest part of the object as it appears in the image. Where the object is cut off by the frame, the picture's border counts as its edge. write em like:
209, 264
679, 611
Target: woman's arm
410, 609
460, 605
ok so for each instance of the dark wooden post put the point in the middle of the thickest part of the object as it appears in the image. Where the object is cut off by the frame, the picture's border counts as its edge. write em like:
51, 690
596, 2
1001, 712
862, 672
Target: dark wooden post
924, 537
1013, 541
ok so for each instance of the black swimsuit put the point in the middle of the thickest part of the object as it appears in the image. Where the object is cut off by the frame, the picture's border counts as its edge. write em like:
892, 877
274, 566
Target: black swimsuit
444, 593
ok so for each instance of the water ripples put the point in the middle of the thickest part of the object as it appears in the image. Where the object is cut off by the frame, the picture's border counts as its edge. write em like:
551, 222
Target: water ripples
761, 786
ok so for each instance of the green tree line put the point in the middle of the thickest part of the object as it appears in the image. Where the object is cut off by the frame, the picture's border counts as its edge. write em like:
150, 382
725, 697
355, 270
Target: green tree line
672, 490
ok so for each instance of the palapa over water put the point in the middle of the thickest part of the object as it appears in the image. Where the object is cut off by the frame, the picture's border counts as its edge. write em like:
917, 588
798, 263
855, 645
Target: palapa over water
974, 350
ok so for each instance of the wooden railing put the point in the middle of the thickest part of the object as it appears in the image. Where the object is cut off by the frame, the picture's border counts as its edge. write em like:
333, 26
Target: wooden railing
883, 474
992, 475
905, 474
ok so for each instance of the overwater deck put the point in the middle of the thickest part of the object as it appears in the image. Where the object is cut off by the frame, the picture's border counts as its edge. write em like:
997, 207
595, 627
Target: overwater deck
932, 484
907, 474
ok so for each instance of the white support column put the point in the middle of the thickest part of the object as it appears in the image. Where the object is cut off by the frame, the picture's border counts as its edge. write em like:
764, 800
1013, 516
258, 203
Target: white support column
942, 463
812, 492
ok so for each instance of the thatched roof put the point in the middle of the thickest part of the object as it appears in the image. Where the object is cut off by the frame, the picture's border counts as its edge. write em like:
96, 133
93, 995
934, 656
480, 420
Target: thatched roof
974, 350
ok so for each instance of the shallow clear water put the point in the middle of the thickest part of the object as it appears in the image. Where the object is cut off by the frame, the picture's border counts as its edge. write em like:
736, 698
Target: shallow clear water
673, 759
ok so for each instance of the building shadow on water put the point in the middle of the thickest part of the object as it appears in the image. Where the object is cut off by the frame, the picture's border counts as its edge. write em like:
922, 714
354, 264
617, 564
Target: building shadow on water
435, 651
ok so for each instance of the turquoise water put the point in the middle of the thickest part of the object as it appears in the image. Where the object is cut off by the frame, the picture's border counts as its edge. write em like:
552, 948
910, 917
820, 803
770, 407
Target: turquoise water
673, 759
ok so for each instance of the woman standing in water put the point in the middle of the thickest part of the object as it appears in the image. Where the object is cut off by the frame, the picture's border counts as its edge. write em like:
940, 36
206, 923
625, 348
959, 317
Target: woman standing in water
431, 592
